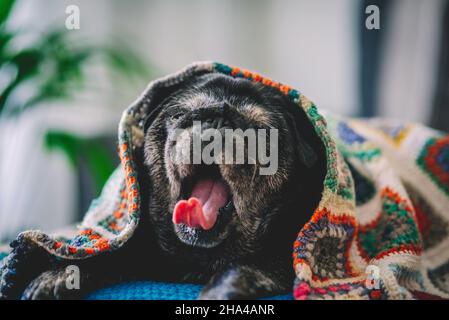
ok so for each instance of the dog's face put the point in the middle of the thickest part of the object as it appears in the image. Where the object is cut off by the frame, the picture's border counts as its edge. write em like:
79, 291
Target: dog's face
227, 207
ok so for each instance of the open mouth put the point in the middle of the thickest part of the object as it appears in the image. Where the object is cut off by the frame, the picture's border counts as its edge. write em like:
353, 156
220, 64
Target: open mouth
204, 210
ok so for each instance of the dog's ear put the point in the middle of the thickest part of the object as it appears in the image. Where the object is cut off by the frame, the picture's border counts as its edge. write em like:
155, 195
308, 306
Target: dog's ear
309, 146
306, 153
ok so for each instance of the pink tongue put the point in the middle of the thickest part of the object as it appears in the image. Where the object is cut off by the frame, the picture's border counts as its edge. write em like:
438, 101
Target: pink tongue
201, 210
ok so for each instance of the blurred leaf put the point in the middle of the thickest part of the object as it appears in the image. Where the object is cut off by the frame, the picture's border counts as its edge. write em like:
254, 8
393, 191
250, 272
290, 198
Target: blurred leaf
5, 10
26, 63
5, 37
78, 149
66, 142
64, 80
124, 60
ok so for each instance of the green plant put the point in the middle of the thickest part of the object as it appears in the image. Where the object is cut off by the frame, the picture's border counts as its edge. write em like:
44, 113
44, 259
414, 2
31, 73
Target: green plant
53, 64
54, 67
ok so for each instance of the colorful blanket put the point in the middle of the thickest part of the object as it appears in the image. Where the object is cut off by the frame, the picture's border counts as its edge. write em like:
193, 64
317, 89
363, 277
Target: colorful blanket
381, 230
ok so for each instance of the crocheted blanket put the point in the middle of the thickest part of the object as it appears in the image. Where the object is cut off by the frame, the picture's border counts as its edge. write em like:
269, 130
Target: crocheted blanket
380, 231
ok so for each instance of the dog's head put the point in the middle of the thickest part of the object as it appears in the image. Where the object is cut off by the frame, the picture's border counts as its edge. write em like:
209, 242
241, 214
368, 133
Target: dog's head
204, 198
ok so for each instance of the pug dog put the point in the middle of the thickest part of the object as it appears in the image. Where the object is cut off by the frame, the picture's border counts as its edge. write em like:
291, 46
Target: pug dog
220, 224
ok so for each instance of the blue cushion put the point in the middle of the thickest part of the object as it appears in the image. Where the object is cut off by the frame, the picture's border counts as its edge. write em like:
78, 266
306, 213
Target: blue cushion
150, 290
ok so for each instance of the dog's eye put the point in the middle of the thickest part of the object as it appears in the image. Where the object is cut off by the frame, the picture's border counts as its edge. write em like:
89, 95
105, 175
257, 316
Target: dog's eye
176, 116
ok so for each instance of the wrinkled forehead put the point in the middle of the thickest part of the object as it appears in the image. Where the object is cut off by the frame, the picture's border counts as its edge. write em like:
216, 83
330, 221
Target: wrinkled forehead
254, 100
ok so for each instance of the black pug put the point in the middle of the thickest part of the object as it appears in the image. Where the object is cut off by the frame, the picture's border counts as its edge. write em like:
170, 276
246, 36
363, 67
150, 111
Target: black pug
239, 244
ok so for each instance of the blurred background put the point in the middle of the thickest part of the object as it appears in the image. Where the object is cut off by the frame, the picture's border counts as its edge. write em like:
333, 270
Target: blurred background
62, 91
